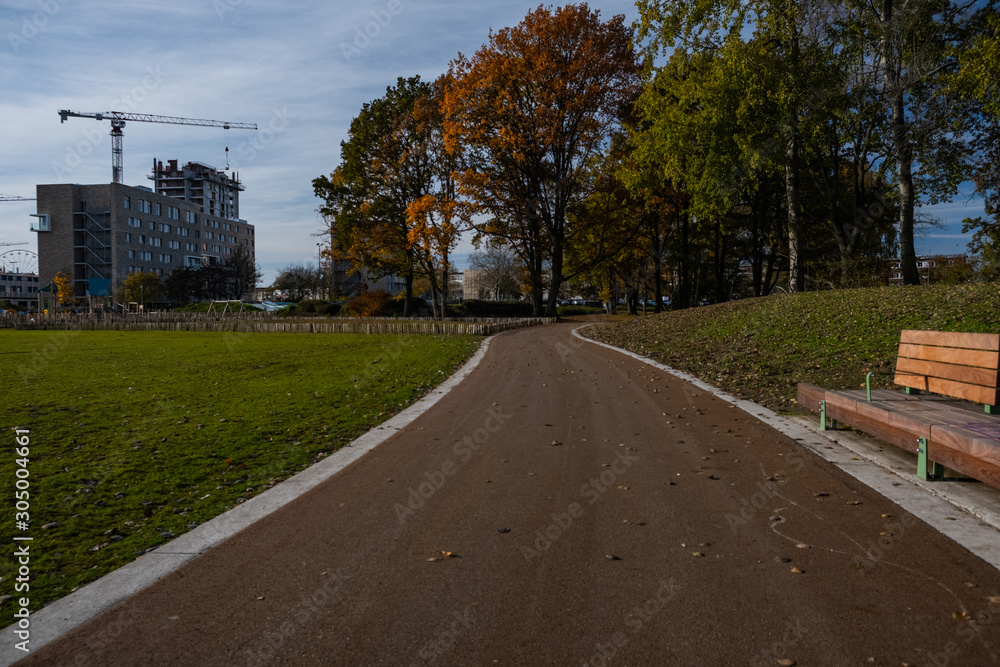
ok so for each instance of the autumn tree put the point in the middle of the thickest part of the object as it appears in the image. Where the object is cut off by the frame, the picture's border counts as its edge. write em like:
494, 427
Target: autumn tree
64, 287
531, 108
383, 171
438, 217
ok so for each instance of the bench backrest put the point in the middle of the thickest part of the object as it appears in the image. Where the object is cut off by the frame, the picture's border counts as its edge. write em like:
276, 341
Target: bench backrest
962, 365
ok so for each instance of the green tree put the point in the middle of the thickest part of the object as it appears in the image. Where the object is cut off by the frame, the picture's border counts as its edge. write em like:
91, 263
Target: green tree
384, 168
143, 287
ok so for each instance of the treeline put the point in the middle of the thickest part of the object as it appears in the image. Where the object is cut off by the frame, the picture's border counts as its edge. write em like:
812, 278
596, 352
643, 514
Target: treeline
716, 148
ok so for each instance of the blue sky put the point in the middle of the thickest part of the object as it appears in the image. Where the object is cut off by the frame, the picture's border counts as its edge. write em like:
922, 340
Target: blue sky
301, 71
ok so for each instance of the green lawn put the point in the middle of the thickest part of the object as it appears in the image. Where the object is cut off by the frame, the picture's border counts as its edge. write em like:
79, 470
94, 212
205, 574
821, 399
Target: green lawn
762, 348
136, 437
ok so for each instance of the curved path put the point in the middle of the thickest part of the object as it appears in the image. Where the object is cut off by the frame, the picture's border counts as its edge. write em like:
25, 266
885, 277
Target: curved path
568, 505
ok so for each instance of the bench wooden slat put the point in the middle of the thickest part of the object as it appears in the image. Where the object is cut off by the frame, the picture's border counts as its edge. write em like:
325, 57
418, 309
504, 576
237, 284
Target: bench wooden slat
951, 355
969, 392
984, 377
972, 341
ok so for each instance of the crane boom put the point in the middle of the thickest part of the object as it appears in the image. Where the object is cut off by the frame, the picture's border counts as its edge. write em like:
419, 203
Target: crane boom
150, 118
15, 198
118, 119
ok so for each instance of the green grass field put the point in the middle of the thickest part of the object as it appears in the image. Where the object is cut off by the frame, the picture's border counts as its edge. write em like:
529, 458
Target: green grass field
762, 348
137, 437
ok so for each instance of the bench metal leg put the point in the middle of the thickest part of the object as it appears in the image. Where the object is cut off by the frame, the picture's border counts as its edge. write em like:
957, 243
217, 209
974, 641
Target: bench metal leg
936, 471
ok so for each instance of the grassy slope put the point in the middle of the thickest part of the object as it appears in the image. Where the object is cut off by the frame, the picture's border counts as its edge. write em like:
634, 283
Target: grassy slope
762, 348
139, 436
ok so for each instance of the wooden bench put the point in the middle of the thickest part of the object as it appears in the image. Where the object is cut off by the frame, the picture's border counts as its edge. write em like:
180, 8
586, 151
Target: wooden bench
938, 428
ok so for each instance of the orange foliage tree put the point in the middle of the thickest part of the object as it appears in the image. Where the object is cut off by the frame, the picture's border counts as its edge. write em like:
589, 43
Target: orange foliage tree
531, 109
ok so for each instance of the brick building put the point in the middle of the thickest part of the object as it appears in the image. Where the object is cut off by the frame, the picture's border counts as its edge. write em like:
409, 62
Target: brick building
107, 231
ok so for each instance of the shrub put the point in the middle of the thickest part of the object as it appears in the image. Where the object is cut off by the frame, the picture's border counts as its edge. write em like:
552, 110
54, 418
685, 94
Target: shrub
369, 304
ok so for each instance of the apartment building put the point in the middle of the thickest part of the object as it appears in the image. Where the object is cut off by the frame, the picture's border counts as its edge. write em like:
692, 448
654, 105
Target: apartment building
104, 232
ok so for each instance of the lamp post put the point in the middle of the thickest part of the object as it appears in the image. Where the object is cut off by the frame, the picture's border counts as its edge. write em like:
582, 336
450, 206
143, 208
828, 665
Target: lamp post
319, 269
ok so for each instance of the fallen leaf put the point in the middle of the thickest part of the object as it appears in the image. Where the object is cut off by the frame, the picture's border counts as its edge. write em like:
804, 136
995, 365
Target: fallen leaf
960, 616
787, 662
612, 557
821, 494
555, 443
995, 599
853, 502
697, 554
800, 545
796, 570
888, 516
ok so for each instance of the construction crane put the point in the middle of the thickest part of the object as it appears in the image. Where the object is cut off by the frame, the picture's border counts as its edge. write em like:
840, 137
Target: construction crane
118, 119
6, 198
17, 243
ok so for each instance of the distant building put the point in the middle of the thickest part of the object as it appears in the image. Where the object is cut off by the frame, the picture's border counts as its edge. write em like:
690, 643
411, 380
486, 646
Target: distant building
101, 233
928, 266
19, 289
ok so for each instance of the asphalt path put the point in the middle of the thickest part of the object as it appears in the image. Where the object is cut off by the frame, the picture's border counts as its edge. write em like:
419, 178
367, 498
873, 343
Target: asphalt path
568, 505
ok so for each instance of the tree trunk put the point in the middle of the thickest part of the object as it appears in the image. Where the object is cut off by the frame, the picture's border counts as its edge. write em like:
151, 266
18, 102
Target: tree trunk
556, 282
900, 146
904, 174
792, 195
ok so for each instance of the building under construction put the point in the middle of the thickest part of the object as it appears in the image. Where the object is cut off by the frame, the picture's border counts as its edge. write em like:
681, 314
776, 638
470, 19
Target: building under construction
99, 234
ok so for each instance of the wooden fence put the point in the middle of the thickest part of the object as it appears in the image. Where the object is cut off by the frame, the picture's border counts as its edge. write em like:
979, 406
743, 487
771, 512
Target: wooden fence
263, 323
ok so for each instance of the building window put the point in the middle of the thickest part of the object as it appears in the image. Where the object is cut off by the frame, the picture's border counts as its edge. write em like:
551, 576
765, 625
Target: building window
127, 203
190, 216
131, 254
155, 242
183, 231
165, 227
197, 234
174, 245
142, 239
209, 235
134, 222
128, 237
158, 209
215, 248
166, 259
215, 223
173, 213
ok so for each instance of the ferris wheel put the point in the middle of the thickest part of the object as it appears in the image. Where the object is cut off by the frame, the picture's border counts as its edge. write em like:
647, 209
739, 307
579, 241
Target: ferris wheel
19, 261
